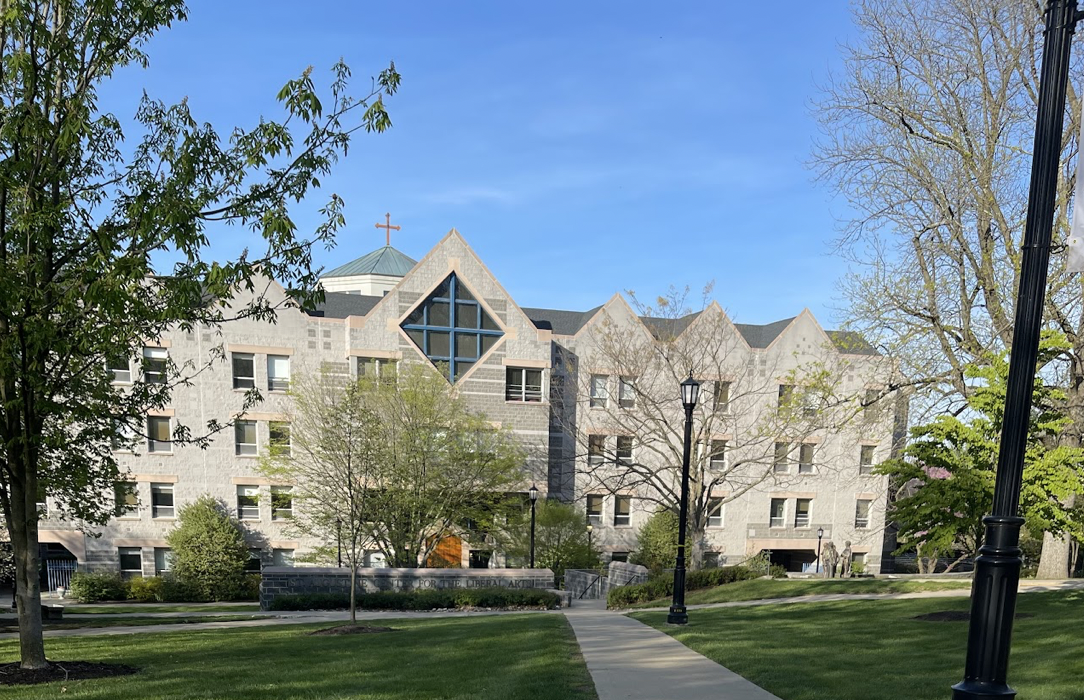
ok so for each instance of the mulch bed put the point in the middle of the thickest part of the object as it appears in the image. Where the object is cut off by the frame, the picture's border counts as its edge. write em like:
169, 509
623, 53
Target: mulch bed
350, 629
957, 616
12, 674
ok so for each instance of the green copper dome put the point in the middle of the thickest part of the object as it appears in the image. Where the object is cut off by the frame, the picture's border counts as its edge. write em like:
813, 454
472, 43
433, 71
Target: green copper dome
382, 261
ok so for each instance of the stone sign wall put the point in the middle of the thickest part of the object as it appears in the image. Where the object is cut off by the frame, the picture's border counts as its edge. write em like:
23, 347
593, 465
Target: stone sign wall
291, 580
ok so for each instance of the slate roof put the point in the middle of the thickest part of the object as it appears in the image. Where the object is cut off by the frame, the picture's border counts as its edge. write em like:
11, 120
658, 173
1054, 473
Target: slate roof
762, 336
382, 261
341, 305
560, 322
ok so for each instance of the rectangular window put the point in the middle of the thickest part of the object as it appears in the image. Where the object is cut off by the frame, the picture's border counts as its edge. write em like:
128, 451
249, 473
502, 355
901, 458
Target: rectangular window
244, 370
718, 454
596, 446
778, 513
282, 557
122, 438
244, 432
869, 404
158, 434
786, 394
865, 460
154, 365
163, 560
861, 513
248, 502
278, 372
622, 510
626, 393
161, 500
594, 508
713, 560
619, 556
624, 450
255, 561
122, 371
279, 438
42, 502
781, 465
715, 512
282, 502
599, 390
522, 384
805, 458
721, 397
125, 499
801, 512
131, 562
385, 370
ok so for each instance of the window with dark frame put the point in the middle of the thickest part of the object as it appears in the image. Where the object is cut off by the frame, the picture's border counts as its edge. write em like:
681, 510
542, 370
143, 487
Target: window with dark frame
596, 448
594, 508
786, 394
865, 459
244, 370
782, 462
244, 432
805, 458
778, 513
452, 328
523, 384
802, 508
155, 361
158, 434
721, 397
861, 513
279, 438
162, 501
717, 460
715, 512
131, 562
622, 510
624, 450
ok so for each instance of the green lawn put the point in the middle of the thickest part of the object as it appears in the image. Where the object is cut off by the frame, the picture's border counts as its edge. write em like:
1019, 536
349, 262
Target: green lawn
526, 657
857, 650
761, 588
136, 608
13, 626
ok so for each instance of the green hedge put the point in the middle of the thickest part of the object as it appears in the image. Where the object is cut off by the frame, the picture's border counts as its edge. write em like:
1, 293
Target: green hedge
663, 586
95, 587
422, 600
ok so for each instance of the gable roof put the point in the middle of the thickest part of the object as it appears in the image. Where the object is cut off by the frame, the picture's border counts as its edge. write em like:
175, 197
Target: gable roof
558, 321
762, 336
341, 305
382, 261
851, 343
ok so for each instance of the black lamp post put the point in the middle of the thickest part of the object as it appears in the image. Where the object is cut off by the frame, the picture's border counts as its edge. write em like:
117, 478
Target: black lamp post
997, 568
817, 563
339, 539
534, 499
690, 391
590, 527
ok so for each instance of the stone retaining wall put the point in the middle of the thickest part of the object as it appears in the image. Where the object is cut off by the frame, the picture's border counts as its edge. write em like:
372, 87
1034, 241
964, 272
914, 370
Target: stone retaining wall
290, 580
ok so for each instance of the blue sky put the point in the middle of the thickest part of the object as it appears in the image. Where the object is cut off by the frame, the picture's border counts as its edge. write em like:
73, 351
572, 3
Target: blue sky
581, 148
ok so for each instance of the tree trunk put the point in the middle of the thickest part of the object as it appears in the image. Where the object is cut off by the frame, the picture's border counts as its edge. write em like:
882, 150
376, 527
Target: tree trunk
24, 541
353, 590
1054, 560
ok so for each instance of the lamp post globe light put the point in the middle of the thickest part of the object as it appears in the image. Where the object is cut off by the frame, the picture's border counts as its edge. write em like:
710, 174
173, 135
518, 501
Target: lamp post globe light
690, 392
590, 528
534, 498
817, 561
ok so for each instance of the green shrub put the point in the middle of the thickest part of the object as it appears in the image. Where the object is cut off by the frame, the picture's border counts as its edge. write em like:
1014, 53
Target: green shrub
209, 551
177, 590
777, 571
248, 589
663, 586
145, 590
93, 587
457, 598
656, 542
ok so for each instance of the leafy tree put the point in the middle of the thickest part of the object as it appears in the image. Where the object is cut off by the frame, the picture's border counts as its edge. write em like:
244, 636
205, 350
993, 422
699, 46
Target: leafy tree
209, 550
440, 464
561, 539
657, 542
929, 130
332, 458
81, 220
948, 471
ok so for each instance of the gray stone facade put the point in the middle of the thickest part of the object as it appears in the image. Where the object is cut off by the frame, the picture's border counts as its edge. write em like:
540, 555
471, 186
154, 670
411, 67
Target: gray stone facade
562, 345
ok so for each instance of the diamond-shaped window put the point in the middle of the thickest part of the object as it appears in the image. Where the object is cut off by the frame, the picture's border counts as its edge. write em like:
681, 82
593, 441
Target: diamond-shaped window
451, 328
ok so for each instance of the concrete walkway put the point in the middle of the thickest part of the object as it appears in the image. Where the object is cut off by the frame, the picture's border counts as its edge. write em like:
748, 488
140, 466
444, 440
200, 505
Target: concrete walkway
630, 661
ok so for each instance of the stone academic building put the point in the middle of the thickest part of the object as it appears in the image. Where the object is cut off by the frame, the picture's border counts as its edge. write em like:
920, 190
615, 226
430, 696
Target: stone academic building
513, 364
